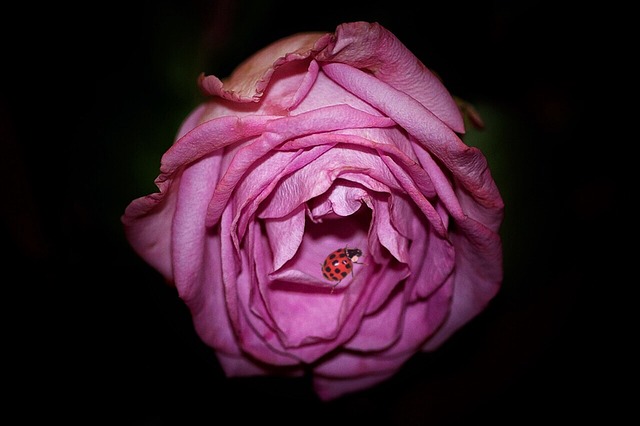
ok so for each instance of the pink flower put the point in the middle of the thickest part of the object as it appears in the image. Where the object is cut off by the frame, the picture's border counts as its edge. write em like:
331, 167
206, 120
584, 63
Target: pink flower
316, 143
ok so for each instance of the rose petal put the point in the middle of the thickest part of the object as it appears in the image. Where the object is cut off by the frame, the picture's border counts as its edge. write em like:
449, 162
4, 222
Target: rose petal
371, 47
429, 272
419, 321
146, 219
308, 82
478, 274
387, 234
187, 237
249, 80
239, 294
325, 92
382, 325
209, 137
323, 204
260, 181
291, 226
388, 275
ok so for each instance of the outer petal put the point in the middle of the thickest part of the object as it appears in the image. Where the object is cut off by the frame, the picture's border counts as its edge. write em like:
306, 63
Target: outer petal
147, 224
187, 237
147, 219
478, 276
371, 47
250, 79
429, 273
204, 295
211, 136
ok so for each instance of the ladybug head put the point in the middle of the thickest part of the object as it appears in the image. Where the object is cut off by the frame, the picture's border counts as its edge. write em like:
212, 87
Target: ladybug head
354, 254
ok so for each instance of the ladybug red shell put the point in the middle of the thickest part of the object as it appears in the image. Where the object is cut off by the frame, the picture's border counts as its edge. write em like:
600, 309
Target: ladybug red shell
339, 263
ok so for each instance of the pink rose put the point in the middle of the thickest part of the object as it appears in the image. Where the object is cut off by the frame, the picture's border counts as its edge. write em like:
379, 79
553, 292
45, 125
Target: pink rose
316, 143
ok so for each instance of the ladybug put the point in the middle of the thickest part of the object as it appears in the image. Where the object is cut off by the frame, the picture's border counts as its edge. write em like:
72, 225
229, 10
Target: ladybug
339, 263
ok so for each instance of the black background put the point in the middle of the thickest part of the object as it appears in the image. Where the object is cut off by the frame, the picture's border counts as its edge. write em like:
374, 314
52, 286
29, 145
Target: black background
92, 95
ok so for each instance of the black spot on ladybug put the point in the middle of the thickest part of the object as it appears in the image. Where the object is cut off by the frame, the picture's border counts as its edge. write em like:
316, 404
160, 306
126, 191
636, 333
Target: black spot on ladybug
344, 274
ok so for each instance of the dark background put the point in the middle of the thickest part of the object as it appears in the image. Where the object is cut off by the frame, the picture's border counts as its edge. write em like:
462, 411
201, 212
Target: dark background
93, 95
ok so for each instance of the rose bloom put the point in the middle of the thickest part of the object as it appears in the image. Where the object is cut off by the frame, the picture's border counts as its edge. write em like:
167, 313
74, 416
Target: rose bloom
323, 142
